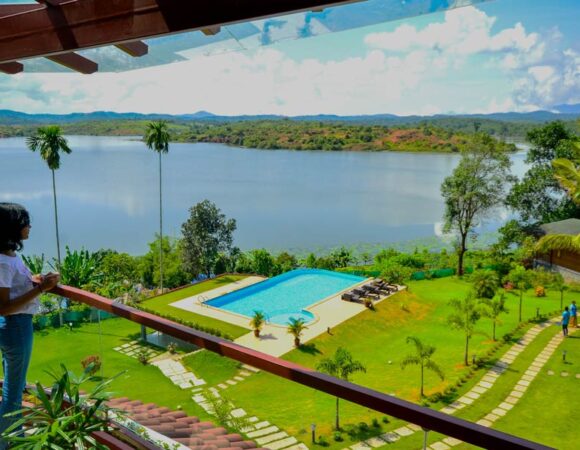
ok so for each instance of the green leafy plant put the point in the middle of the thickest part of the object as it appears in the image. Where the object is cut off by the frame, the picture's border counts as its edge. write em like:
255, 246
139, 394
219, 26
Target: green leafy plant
172, 348
422, 358
143, 356
221, 407
34, 263
493, 308
296, 327
62, 418
257, 322
79, 268
92, 364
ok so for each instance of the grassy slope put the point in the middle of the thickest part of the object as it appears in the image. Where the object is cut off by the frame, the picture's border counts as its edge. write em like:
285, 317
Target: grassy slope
145, 383
211, 367
375, 338
161, 304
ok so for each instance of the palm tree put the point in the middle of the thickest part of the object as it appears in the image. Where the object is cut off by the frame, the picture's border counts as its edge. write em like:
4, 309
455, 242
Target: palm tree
492, 308
257, 322
50, 142
521, 279
422, 357
464, 318
559, 285
485, 283
341, 365
295, 328
157, 139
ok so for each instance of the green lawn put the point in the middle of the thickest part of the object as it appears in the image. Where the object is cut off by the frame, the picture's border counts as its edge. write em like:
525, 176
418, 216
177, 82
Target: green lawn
139, 382
211, 367
161, 304
377, 339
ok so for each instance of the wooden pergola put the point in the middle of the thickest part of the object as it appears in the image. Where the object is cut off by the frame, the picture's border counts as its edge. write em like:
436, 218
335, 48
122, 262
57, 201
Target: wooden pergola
57, 29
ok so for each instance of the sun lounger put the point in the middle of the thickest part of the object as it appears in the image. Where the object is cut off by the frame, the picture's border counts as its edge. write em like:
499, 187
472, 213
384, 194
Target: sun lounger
350, 297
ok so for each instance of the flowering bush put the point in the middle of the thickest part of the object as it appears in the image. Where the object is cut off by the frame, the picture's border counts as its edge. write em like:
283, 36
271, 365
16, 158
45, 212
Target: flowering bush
95, 361
540, 291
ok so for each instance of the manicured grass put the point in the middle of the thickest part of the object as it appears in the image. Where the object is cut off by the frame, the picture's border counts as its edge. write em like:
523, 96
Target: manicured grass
548, 412
211, 367
378, 340
161, 304
138, 382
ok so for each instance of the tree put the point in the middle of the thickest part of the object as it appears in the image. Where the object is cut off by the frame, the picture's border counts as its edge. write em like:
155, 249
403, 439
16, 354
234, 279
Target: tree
521, 279
559, 285
493, 308
464, 318
262, 262
422, 358
157, 139
174, 273
49, 141
395, 273
485, 283
342, 366
474, 189
206, 233
538, 197
296, 328
257, 322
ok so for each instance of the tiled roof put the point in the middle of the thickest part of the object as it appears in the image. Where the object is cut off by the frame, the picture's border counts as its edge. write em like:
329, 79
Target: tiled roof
180, 427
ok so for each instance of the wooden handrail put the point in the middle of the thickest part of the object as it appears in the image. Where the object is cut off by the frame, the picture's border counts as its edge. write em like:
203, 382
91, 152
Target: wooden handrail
426, 418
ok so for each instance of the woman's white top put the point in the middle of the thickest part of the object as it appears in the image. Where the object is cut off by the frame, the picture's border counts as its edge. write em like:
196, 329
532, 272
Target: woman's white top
16, 276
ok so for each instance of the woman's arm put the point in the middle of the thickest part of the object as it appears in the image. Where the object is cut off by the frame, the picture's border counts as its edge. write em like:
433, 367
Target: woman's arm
8, 306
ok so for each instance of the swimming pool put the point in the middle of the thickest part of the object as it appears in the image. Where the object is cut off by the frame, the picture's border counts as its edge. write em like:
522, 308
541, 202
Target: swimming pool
286, 295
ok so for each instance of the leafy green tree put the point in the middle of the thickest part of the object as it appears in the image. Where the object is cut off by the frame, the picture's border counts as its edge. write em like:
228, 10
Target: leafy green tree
263, 262
464, 318
342, 257
493, 308
342, 366
521, 279
286, 262
49, 141
296, 327
119, 267
206, 233
422, 358
485, 283
174, 273
538, 197
395, 273
157, 139
474, 189
310, 261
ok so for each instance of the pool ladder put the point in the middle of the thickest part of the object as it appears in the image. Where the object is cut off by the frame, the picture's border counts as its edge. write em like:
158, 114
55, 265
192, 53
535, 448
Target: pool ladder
201, 299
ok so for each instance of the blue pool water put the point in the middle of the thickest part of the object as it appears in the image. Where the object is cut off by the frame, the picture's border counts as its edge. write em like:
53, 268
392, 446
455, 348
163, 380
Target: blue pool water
285, 296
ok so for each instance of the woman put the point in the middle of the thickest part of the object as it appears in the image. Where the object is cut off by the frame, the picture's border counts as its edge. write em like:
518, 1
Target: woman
18, 303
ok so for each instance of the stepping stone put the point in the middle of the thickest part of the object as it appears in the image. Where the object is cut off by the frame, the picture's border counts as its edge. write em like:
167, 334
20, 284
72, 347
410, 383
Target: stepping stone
253, 419
390, 437
238, 379
263, 424
281, 444
448, 410
199, 398
564, 374
578, 375
491, 417
185, 385
512, 400
488, 379
250, 368
362, 446
231, 382
245, 373
222, 386
506, 406
238, 413
473, 395
263, 432
452, 442
404, 431
272, 438
207, 407
485, 384
439, 446
375, 442
520, 388
524, 383
213, 390
465, 400
298, 447
457, 405
198, 382
479, 390
200, 389
484, 422
499, 412
517, 394
531, 372
527, 377
413, 427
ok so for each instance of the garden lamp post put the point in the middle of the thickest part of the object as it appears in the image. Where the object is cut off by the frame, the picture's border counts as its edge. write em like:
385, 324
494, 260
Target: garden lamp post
313, 428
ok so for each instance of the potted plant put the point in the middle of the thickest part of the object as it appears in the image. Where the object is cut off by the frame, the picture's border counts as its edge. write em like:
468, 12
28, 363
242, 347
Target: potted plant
295, 328
257, 322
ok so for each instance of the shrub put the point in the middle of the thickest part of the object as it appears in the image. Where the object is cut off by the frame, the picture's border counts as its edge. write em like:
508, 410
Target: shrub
363, 426
540, 291
337, 436
91, 364
172, 348
143, 356
322, 441
385, 419
376, 423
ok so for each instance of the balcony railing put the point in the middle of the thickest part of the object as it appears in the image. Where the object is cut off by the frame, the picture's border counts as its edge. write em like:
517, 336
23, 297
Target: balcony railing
426, 418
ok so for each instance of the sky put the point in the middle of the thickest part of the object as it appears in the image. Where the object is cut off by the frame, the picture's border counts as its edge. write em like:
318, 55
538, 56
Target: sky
505, 55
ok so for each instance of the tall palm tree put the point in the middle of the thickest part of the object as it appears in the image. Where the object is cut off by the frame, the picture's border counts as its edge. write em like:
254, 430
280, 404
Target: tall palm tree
157, 139
295, 328
493, 308
422, 357
465, 316
50, 142
341, 365
257, 322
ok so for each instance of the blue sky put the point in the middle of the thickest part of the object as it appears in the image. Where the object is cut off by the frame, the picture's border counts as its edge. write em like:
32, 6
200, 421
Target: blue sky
505, 55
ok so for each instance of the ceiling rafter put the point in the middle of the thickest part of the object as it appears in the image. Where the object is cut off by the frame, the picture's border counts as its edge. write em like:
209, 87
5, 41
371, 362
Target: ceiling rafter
75, 62
76, 25
11, 68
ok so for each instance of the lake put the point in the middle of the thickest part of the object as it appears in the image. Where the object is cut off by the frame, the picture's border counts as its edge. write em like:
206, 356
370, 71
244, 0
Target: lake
108, 194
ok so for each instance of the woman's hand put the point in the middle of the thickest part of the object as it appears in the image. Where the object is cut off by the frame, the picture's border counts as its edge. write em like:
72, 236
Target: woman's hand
49, 281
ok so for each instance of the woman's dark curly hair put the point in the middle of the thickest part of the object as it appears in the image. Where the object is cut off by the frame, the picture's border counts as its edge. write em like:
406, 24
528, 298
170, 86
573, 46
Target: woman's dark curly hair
13, 219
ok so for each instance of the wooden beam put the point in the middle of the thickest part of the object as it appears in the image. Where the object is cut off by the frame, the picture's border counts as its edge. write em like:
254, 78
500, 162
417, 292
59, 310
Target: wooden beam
75, 62
11, 68
211, 31
135, 48
10, 10
76, 25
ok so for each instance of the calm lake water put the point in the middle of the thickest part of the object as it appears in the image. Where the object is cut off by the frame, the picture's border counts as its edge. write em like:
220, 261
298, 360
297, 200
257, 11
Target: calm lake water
108, 194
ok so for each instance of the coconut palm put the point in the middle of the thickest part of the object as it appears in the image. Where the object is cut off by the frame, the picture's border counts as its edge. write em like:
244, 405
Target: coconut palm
493, 308
422, 357
49, 141
295, 328
341, 365
485, 283
157, 139
464, 318
257, 322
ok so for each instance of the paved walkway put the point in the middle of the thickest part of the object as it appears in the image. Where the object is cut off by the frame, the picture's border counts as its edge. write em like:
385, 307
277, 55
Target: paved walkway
486, 383
177, 373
